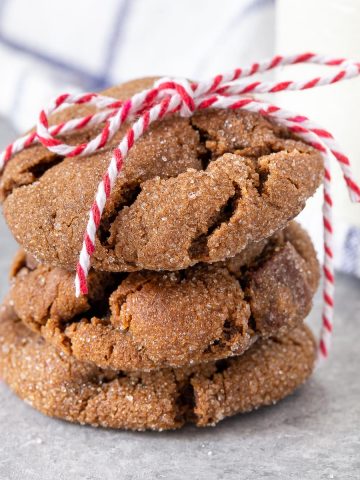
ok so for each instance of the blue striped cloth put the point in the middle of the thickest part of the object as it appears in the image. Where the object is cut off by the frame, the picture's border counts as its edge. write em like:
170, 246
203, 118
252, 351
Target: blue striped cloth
48, 47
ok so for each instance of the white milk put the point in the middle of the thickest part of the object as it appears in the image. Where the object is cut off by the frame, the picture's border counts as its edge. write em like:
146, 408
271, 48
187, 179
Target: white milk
325, 27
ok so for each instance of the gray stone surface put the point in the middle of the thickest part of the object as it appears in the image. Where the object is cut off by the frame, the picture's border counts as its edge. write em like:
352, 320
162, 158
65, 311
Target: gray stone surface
314, 434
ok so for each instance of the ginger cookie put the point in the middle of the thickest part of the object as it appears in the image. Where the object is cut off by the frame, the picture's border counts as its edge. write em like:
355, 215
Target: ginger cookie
60, 386
192, 190
150, 320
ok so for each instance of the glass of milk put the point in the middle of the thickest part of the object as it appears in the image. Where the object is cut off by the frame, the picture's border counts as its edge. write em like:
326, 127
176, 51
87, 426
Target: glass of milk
325, 27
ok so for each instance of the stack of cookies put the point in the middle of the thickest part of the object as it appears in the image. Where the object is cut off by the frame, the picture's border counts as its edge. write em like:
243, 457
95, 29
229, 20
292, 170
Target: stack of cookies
200, 283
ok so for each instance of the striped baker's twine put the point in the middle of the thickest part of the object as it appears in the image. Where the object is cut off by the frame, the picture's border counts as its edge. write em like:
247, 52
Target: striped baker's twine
226, 91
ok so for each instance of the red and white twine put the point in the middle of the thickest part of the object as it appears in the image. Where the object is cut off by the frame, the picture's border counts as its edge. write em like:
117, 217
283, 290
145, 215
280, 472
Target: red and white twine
226, 91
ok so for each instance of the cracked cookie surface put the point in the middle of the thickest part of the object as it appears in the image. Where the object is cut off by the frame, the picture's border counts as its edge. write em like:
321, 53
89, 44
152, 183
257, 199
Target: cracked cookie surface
60, 386
149, 320
192, 190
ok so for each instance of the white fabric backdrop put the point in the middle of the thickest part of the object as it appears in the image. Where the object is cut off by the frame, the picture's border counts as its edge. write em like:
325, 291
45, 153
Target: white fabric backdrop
47, 46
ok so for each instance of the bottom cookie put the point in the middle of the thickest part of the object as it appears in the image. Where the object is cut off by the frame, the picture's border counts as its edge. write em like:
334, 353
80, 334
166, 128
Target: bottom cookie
62, 387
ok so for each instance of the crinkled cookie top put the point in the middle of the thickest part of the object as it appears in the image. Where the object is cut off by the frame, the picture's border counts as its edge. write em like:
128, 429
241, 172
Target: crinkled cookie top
192, 190
150, 320
61, 386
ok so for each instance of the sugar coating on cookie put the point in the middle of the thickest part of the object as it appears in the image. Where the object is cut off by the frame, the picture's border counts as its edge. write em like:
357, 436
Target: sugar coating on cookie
60, 386
192, 190
148, 320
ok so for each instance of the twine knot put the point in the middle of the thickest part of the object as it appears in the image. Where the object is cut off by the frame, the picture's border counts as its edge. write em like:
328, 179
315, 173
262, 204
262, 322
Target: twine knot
182, 92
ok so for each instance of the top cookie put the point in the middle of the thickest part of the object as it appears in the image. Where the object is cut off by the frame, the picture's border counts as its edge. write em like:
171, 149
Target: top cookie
192, 190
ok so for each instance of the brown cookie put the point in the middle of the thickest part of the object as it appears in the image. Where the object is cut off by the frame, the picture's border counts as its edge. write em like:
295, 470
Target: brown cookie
60, 386
196, 189
149, 320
